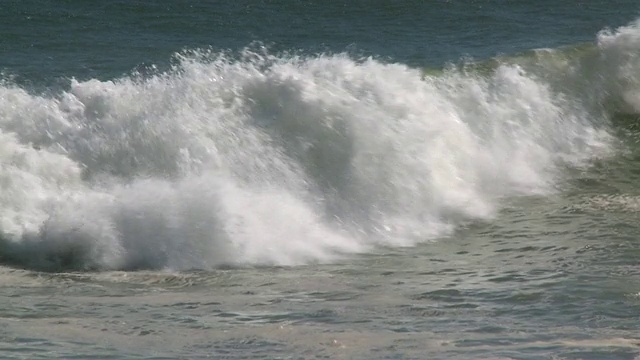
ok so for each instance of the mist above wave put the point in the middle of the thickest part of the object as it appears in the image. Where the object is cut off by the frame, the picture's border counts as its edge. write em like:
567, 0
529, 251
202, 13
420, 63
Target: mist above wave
277, 159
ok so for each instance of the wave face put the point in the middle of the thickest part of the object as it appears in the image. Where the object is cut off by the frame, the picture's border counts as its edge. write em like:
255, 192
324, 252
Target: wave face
267, 159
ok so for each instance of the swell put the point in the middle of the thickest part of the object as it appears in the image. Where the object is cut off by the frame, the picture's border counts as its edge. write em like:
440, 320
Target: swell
269, 159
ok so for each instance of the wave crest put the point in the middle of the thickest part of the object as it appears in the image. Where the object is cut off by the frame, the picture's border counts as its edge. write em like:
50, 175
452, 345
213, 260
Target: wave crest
286, 159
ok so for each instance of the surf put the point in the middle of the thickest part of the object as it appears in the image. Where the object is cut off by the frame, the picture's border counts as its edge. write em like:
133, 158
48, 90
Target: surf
283, 159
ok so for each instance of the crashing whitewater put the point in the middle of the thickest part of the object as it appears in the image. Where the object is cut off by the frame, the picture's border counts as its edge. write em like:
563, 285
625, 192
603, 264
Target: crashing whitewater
263, 159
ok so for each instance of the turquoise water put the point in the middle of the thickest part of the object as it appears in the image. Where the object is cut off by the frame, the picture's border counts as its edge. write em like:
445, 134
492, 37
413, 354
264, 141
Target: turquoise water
304, 179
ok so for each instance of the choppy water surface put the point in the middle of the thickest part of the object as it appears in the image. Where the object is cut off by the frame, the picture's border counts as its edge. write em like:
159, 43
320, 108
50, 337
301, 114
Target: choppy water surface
549, 278
545, 279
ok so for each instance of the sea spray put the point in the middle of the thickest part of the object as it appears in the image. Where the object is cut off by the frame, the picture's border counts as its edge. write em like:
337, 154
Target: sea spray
273, 159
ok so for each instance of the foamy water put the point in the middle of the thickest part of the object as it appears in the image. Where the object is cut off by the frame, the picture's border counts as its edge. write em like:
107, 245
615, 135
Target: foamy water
276, 159
362, 180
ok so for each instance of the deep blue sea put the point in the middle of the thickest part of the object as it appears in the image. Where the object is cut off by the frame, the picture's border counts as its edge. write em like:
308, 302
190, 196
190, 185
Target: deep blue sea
320, 179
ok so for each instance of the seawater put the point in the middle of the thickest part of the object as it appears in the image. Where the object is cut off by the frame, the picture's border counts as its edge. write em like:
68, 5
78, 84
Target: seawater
306, 180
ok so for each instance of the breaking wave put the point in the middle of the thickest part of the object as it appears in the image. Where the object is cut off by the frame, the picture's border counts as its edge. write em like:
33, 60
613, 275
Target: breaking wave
264, 159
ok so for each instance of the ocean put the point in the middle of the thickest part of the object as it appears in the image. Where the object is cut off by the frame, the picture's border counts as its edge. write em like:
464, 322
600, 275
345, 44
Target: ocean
310, 179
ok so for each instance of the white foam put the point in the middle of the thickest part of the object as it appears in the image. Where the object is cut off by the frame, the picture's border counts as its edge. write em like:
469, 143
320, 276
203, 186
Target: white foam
620, 62
272, 160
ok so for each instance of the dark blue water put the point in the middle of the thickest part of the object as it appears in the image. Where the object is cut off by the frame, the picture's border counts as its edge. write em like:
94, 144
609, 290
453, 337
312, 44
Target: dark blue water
45, 40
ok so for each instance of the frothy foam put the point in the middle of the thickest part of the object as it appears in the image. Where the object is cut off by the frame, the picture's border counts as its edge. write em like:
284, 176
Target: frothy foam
277, 159
619, 53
